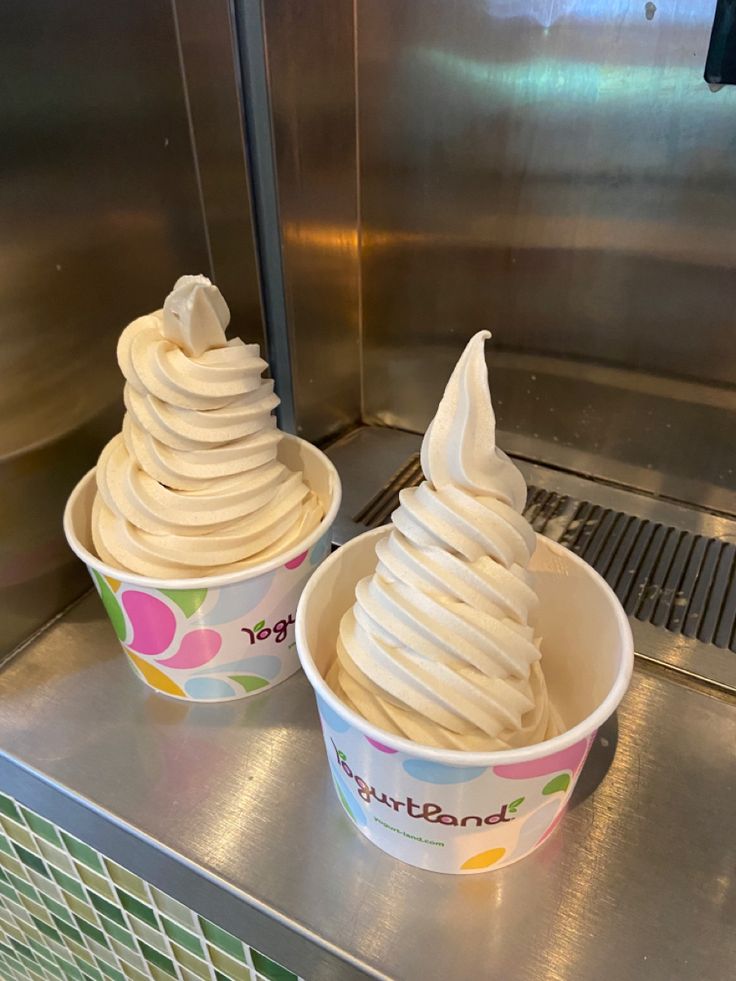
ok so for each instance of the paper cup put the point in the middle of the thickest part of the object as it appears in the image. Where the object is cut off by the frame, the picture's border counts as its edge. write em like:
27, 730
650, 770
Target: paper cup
463, 812
215, 638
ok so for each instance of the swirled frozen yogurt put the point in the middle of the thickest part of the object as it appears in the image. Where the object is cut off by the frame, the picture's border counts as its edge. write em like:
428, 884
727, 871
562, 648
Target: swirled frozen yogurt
440, 646
192, 486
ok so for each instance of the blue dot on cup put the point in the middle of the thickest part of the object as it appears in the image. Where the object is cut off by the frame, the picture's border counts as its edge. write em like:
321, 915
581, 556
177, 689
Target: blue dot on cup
331, 718
208, 688
349, 802
429, 772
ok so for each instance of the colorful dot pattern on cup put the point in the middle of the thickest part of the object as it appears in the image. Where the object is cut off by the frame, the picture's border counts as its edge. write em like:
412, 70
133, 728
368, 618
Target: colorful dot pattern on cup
112, 607
154, 624
380, 747
557, 785
484, 860
296, 561
155, 678
196, 648
566, 759
331, 718
188, 600
430, 772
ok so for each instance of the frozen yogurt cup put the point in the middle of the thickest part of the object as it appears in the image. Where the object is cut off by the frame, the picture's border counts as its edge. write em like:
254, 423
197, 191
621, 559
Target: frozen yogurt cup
457, 811
218, 637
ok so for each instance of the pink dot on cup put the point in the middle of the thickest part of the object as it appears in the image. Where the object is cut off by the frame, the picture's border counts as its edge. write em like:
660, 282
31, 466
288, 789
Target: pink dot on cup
153, 622
566, 759
196, 648
296, 562
380, 746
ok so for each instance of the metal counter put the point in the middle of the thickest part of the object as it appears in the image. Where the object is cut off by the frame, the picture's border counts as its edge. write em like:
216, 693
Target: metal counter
229, 808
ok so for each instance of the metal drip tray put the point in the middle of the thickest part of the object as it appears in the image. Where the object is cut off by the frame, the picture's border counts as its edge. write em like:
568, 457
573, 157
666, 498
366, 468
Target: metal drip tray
673, 567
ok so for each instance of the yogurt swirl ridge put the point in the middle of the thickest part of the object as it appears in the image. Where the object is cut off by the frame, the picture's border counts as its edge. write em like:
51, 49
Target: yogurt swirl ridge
192, 485
439, 646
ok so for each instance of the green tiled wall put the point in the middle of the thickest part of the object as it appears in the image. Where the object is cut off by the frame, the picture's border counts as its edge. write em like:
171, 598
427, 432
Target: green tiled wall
68, 912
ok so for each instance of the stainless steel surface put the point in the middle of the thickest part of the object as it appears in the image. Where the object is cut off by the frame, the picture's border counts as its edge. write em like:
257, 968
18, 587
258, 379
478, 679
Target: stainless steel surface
561, 174
373, 462
100, 211
232, 805
212, 87
312, 97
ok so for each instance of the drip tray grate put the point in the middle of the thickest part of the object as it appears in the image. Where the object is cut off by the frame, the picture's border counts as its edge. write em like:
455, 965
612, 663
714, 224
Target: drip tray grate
674, 579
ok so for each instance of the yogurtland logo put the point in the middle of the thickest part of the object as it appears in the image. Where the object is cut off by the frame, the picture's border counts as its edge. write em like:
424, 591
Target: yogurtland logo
261, 632
424, 810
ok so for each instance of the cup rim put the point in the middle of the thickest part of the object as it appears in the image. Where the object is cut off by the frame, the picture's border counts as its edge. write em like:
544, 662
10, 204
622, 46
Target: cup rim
210, 582
459, 757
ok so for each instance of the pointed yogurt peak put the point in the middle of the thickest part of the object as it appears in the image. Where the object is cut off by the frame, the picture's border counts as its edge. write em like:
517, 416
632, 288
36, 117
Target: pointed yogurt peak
195, 316
459, 447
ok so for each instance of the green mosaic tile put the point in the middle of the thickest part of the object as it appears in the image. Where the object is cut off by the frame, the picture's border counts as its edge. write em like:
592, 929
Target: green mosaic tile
20, 834
110, 972
82, 909
270, 969
45, 929
187, 975
193, 964
22, 948
183, 937
5, 846
30, 860
154, 956
83, 853
133, 974
58, 858
21, 886
8, 891
107, 909
152, 937
11, 864
136, 908
56, 909
88, 970
132, 884
91, 931
173, 909
67, 883
8, 808
71, 973
118, 933
222, 939
40, 826
67, 930
235, 970
95, 881
35, 909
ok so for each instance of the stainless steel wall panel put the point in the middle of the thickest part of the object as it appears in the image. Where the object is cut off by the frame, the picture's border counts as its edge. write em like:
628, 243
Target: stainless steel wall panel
209, 57
100, 211
312, 93
559, 173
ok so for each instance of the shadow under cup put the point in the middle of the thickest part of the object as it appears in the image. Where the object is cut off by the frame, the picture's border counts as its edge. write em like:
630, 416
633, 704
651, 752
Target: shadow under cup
215, 638
450, 811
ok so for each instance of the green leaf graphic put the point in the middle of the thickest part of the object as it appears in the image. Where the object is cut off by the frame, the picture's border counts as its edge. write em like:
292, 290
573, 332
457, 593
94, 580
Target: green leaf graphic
259, 626
516, 804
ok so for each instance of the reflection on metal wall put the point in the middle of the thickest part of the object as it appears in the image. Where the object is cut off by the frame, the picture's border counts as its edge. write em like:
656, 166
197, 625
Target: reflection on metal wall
99, 213
559, 172
312, 95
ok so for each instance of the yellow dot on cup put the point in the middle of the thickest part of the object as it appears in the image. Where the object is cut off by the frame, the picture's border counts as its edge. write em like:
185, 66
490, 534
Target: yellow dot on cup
155, 678
484, 860
114, 584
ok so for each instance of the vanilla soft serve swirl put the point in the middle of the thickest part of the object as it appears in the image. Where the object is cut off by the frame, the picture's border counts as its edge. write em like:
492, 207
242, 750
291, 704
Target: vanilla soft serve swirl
439, 646
192, 486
